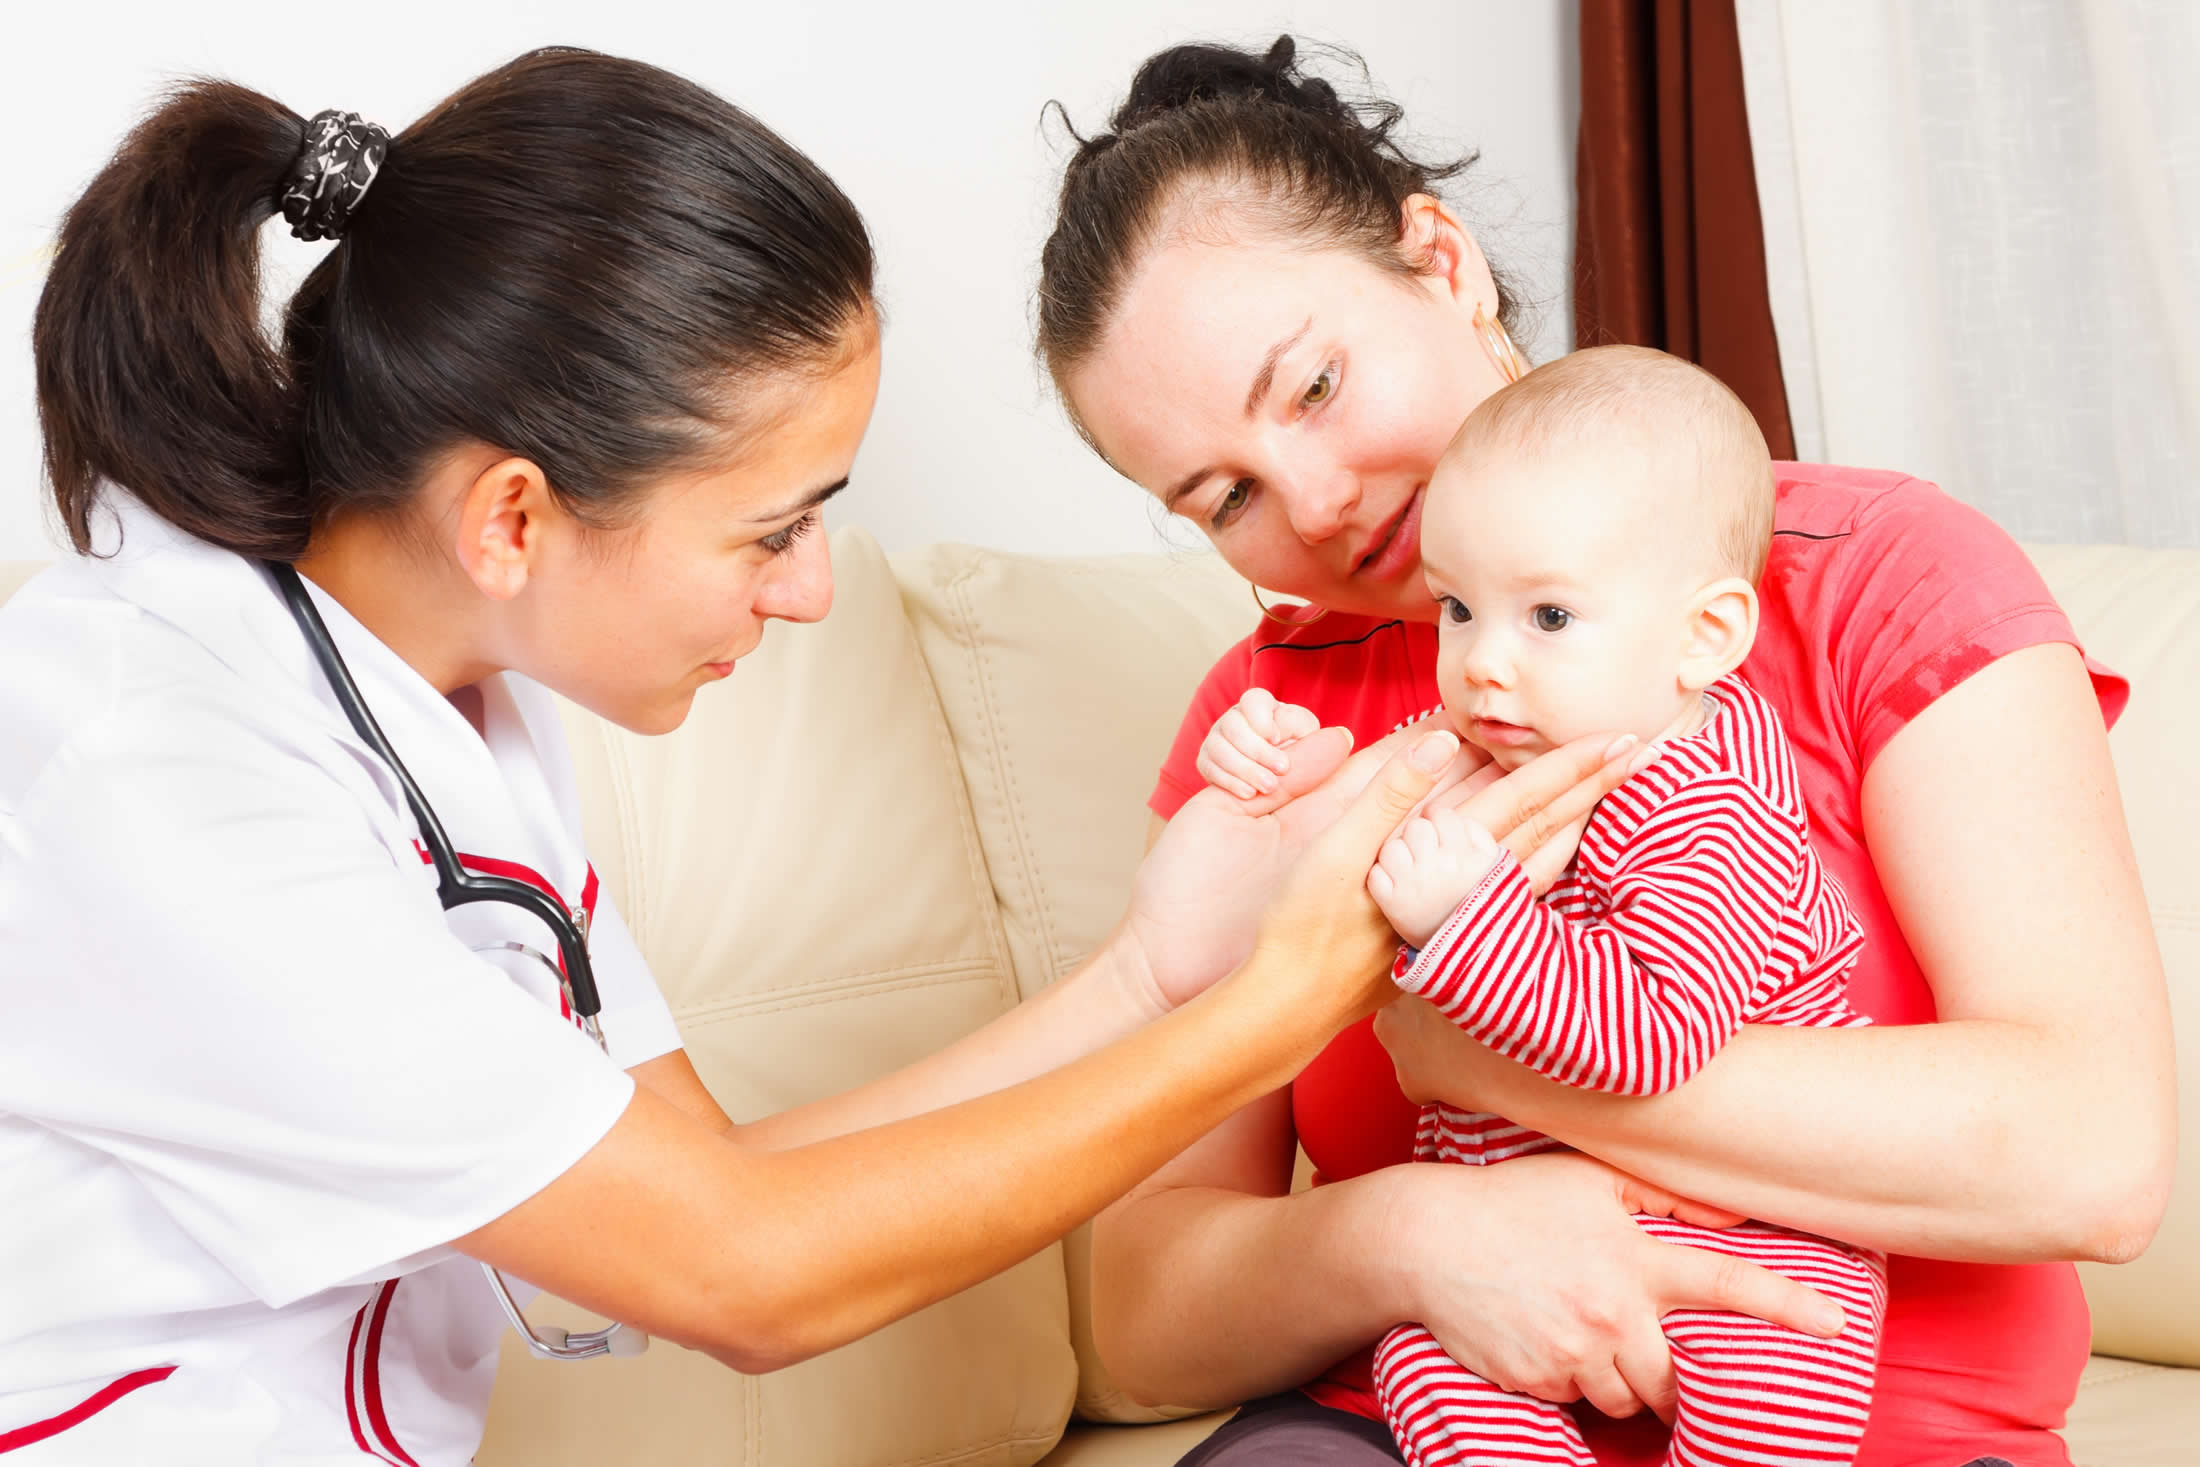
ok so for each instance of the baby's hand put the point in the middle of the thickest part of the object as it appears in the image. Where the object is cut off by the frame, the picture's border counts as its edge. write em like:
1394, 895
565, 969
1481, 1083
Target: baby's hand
1428, 868
1244, 751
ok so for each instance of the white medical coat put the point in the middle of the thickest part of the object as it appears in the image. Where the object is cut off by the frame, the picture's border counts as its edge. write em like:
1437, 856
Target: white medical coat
252, 1078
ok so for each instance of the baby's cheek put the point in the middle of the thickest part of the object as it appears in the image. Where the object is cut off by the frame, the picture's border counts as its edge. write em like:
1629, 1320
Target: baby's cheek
1451, 690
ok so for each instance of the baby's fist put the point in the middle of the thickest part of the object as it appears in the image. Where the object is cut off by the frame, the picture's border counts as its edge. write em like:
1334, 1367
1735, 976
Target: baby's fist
1243, 754
1427, 868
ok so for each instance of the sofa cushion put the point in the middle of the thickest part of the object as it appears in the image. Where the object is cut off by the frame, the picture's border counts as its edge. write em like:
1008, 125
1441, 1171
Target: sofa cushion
800, 866
1158, 1445
1063, 679
2139, 611
2133, 1415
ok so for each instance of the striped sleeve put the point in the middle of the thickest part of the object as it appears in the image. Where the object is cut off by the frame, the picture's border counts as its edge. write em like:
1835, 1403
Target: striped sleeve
1637, 1002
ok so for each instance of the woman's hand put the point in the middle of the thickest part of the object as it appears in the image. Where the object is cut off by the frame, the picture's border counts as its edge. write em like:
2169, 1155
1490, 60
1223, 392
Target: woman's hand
1436, 1060
1534, 1276
1197, 900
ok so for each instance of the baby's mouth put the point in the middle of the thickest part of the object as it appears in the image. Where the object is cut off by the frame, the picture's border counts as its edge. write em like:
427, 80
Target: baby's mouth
1496, 731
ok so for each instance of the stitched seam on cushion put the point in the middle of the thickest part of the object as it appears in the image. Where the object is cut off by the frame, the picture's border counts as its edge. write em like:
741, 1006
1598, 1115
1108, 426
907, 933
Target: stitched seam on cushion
966, 621
976, 865
717, 1013
752, 1422
1004, 772
1010, 1438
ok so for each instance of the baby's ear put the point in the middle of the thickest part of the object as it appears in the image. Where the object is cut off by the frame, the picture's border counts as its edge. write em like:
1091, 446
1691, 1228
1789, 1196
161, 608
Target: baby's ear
1722, 626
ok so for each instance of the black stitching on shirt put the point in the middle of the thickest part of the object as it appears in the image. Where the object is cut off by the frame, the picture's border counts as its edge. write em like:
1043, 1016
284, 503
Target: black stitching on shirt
1326, 646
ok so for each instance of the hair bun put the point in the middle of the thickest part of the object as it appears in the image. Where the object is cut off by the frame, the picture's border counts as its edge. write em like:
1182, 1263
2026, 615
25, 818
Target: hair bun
1204, 72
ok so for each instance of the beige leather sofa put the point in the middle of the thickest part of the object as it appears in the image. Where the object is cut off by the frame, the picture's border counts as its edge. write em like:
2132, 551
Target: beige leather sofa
888, 828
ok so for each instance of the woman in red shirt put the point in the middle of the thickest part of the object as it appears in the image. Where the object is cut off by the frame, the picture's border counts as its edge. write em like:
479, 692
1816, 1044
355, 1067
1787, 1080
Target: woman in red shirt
1256, 308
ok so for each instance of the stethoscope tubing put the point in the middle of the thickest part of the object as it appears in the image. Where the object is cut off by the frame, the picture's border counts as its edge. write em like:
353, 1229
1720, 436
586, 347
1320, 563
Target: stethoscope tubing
455, 885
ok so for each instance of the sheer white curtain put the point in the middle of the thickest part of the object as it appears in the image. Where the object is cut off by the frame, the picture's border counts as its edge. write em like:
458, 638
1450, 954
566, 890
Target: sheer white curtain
1982, 228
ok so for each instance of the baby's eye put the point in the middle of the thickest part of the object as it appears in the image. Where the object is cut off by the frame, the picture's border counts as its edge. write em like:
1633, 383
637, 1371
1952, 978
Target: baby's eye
1455, 611
1321, 389
1552, 618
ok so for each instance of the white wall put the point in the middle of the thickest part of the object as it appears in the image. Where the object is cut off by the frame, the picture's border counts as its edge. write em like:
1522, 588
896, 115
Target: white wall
927, 115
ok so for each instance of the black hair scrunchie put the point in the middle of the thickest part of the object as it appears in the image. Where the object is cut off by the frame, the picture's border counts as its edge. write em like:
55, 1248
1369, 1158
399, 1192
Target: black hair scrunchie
336, 165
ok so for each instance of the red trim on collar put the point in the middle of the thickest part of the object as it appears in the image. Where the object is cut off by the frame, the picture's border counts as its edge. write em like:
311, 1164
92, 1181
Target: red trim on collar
514, 871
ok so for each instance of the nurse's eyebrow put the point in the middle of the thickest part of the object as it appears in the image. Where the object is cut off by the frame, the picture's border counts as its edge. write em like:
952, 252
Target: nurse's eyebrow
815, 498
1266, 376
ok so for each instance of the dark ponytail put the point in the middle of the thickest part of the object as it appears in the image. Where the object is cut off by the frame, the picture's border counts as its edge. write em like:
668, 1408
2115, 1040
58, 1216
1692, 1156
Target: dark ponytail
581, 260
153, 370
1273, 145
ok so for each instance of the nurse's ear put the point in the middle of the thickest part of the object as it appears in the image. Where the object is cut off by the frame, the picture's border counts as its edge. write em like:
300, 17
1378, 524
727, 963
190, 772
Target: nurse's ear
504, 511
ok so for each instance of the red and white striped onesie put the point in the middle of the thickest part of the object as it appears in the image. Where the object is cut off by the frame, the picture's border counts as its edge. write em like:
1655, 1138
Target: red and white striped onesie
1695, 905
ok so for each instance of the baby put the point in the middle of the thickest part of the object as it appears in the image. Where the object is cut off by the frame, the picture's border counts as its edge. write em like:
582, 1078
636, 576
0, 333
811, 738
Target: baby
1593, 537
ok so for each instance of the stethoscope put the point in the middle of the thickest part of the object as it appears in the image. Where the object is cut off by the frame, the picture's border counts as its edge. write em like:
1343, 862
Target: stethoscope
458, 887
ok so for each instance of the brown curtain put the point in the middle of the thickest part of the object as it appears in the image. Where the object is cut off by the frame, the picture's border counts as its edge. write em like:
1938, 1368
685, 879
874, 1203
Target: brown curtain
1668, 245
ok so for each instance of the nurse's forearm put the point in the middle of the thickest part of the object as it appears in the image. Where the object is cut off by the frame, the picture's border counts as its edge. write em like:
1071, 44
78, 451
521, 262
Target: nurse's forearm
1088, 1009
765, 1258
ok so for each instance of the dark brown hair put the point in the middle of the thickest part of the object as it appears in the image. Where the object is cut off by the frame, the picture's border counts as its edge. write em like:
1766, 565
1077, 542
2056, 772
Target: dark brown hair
578, 259
1276, 148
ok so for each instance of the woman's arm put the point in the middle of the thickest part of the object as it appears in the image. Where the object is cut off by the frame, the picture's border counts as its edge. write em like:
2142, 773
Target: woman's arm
1211, 1285
1194, 906
2035, 1121
1104, 1000
1212, 1252
1224, 855
764, 1257
1222, 860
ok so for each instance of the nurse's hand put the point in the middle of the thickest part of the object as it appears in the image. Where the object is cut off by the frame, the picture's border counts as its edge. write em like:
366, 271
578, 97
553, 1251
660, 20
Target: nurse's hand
1197, 900
1535, 1275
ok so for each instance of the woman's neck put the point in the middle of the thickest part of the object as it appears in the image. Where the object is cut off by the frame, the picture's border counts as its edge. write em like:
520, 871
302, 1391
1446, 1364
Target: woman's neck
418, 606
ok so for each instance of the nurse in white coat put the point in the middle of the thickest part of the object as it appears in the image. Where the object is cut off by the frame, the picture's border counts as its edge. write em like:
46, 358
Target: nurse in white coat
556, 413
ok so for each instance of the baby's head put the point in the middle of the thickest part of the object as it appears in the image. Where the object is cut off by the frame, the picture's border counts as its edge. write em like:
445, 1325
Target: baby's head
1593, 537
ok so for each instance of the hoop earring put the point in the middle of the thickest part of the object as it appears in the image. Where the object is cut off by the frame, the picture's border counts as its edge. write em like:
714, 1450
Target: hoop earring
1498, 342
1285, 620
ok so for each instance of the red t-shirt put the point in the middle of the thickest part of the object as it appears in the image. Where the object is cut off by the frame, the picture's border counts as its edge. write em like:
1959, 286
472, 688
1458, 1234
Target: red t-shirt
1881, 594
